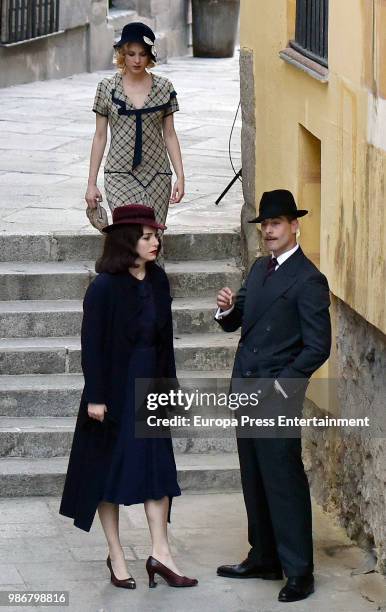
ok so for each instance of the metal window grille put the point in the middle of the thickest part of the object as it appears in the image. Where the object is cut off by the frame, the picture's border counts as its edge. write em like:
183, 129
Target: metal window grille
25, 19
311, 36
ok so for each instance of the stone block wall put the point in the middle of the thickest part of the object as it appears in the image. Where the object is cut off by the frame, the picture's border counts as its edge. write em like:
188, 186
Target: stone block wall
45, 58
348, 473
169, 19
131, 5
73, 15
86, 39
83, 44
101, 37
250, 237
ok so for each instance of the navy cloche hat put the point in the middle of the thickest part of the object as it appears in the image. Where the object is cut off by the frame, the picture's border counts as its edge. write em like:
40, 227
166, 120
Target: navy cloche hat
138, 32
277, 203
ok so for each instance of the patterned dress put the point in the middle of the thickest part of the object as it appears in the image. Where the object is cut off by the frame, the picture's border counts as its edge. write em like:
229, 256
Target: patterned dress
137, 168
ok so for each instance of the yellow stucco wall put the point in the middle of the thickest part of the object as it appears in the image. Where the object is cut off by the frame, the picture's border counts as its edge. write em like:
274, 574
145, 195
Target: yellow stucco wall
348, 116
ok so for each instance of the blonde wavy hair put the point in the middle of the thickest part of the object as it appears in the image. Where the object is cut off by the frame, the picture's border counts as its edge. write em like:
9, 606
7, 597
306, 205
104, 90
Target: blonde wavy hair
119, 57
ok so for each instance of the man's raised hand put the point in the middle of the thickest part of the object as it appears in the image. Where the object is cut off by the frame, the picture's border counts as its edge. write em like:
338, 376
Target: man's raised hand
226, 298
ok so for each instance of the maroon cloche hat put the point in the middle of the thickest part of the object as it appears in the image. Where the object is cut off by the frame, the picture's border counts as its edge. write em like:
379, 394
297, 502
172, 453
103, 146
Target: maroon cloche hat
133, 214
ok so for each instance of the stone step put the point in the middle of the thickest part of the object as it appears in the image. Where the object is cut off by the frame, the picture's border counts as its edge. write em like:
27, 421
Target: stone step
78, 246
59, 394
39, 281
40, 395
204, 444
44, 437
20, 477
195, 315
119, 17
202, 278
205, 351
36, 437
69, 280
42, 318
62, 355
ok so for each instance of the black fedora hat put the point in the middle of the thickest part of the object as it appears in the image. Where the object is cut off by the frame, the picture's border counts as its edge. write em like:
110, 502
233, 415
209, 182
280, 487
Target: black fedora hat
277, 203
133, 214
138, 32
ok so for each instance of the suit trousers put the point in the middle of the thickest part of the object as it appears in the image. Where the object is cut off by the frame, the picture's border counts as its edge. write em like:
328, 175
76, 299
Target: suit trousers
277, 499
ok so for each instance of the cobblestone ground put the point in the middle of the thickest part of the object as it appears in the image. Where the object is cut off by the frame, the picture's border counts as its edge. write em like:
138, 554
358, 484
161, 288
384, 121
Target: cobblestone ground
39, 549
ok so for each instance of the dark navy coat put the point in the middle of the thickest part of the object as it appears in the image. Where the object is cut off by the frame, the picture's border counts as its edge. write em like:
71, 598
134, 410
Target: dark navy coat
108, 335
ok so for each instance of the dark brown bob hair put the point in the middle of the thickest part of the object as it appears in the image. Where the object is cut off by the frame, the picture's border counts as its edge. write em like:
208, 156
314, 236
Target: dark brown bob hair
120, 249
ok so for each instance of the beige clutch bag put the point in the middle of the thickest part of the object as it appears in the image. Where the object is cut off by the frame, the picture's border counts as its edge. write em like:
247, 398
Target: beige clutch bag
97, 217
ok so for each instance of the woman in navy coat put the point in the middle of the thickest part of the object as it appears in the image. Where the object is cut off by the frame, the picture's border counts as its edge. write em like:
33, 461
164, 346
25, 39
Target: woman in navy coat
126, 334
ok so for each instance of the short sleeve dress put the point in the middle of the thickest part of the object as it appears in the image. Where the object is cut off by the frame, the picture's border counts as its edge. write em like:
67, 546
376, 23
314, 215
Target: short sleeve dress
137, 168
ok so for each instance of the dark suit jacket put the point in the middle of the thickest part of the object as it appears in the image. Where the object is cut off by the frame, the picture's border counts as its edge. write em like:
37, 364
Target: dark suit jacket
285, 324
111, 308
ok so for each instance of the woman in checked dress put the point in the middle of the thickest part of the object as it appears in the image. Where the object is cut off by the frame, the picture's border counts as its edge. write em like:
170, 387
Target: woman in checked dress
138, 106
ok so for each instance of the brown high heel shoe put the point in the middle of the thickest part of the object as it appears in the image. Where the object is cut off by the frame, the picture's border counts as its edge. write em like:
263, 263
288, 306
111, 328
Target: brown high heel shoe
126, 583
174, 580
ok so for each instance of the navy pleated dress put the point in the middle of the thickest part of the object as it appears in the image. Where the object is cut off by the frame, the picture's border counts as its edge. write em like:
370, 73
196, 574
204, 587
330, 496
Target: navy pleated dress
141, 468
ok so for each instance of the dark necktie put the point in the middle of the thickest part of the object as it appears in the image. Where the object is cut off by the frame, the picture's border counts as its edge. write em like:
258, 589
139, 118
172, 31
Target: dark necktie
272, 263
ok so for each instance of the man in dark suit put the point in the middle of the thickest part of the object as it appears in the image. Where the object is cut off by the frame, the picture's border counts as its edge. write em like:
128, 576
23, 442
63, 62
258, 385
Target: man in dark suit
282, 309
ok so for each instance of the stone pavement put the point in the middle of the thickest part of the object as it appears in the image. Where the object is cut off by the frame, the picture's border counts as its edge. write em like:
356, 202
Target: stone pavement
46, 130
39, 549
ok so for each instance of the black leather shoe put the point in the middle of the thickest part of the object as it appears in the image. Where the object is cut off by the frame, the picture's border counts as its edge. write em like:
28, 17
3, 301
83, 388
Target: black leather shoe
246, 569
297, 588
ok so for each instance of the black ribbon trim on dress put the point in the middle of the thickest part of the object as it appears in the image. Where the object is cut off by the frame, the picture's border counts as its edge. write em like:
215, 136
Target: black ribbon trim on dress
136, 177
138, 112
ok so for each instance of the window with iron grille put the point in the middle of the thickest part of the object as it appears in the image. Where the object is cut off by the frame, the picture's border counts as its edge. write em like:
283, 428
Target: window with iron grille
26, 19
311, 35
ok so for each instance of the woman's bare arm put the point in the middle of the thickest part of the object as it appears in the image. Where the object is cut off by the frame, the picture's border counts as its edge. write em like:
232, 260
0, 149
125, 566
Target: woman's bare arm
174, 151
93, 195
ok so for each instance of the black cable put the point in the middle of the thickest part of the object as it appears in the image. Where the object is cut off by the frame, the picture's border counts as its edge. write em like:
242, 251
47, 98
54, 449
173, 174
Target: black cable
230, 143
237, 175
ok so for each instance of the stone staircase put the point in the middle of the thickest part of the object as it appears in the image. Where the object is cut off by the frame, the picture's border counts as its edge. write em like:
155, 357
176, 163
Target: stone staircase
42, 282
